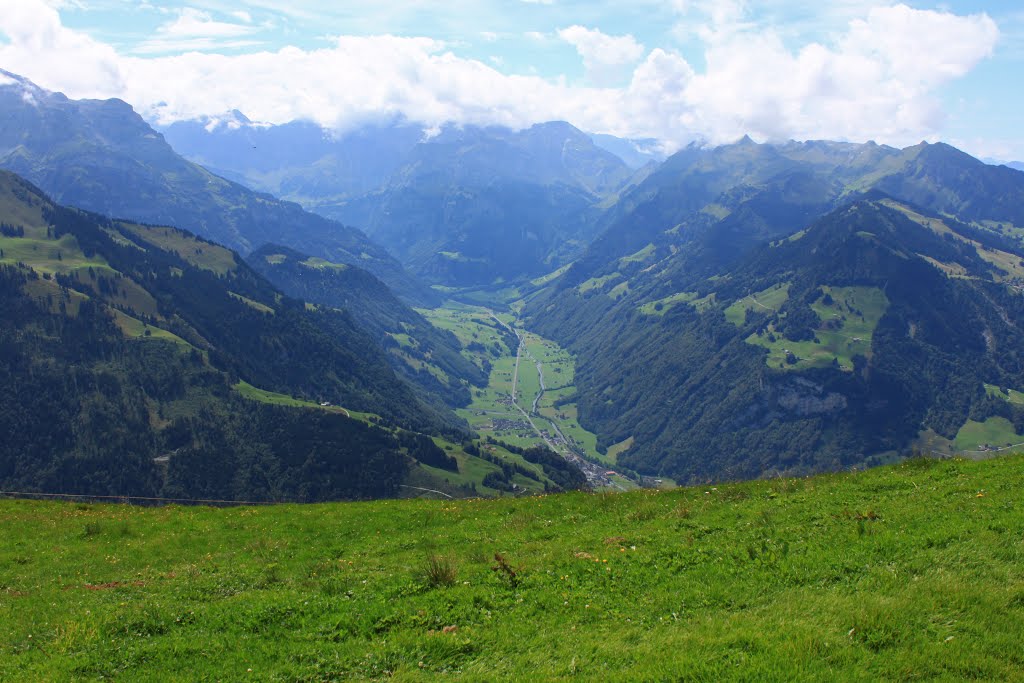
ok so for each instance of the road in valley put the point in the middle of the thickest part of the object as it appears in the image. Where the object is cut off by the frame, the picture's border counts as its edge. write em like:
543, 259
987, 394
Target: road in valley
597, 475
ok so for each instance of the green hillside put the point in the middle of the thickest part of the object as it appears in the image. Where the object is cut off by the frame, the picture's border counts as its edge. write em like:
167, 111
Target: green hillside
839, 346
425, 355
913, 572
144, 360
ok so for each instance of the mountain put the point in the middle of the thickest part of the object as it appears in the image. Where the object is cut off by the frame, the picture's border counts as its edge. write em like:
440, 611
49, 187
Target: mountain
710, 315
132, 354
635, 153
479, 206
299, 161
101, 156
1016, 165
427, 356
465, 206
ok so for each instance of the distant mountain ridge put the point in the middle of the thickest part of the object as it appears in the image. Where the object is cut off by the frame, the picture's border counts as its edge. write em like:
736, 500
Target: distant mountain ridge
461, 206
101, 156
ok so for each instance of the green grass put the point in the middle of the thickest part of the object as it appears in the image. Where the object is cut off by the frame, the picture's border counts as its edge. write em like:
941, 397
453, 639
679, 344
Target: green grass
661, 306
996, 432
470, 324
1011, 395
1009, 263
136, 329
618, 449
913, 572
550, 277
767, 301
846, 329
21, 209
620, 290
200, 254
639, 257
320, 264
597, 283
47, 255
263, 396
705, 302
262, 308
474, 324
458, 257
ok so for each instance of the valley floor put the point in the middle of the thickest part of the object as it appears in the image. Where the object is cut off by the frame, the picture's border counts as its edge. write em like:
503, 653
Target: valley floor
913, 571
530, 397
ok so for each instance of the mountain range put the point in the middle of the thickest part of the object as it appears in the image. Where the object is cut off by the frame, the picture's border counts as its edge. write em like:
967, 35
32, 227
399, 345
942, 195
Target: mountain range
459, 206
733, 312
101, 156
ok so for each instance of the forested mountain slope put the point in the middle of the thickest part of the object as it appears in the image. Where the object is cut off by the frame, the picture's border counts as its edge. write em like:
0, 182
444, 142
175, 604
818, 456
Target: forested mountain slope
475, 206
127, 352
720, 358
428, 356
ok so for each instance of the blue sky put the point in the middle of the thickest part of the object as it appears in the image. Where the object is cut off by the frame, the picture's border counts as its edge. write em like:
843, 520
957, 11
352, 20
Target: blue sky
675, 70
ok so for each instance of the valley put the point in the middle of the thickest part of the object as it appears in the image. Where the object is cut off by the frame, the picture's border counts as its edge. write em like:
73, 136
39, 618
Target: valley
516, 341
731, 311
530, 396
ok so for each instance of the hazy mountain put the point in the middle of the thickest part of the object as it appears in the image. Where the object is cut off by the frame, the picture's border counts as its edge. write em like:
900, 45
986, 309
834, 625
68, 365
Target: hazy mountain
1016, 165
298, 161
476, 206
635, 153
420, 352
101, 156
465, 205
132, 353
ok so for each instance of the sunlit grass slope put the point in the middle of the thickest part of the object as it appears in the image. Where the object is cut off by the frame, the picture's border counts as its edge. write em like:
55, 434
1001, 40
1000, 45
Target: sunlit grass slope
913, 572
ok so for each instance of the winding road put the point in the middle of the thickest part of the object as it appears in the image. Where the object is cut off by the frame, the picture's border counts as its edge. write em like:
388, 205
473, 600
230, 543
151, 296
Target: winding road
596, 474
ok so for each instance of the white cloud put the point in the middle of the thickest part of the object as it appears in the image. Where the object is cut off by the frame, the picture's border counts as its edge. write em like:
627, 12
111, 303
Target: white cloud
193, 23
876, 79
40, 47
195, 30
606, 58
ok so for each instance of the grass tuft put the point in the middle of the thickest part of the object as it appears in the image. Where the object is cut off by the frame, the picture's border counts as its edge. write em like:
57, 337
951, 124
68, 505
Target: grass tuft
440, 571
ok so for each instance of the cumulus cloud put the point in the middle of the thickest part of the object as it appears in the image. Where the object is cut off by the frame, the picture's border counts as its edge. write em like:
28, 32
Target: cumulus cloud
877, 79
40, 47
606, 58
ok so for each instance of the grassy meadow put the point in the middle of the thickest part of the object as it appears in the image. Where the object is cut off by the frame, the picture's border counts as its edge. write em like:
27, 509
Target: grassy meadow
909, 572
849, 316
